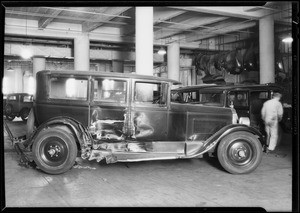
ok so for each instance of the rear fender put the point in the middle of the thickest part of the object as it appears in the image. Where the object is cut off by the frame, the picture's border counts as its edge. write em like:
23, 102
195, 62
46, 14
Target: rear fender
82, 136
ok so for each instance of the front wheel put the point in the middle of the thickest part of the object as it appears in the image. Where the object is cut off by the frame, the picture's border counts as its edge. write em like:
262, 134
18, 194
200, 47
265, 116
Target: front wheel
24, 114
240, 152
54, 151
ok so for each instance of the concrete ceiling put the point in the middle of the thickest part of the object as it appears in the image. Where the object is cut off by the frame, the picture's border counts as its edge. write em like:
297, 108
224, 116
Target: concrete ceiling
193, 27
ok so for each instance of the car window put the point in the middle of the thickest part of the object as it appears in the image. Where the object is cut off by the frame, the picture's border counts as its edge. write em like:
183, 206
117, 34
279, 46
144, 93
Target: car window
213, 99
110, 90
237, 98
12, 98
152, 94
28, 98
68, 88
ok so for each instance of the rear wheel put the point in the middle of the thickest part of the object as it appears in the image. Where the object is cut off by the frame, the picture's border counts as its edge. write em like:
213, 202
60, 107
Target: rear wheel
54, 151
24, 114
240, 152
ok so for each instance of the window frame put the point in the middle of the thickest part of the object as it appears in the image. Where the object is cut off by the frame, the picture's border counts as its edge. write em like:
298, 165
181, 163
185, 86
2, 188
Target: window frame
103, 102
141, 104
67, 100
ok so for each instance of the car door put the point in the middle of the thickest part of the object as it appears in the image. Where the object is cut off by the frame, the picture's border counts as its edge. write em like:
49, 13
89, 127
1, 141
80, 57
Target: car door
149, 111
109, 108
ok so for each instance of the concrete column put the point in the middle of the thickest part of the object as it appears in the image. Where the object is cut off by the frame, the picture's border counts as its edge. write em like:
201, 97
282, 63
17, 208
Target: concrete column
266, 50
82, 52
144, 40
118, 66
194, 76
39, 63
173, 61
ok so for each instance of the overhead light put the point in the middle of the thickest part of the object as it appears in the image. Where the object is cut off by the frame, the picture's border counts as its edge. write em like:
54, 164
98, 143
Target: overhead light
10, 69
161, 51
287, 40
26, 54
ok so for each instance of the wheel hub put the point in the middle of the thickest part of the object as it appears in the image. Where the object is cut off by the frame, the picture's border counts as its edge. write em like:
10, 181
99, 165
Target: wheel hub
54, 151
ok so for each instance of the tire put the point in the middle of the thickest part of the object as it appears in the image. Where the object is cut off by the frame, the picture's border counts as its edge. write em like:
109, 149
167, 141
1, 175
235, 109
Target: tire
54, 151
240, 152
24, 113
10, 117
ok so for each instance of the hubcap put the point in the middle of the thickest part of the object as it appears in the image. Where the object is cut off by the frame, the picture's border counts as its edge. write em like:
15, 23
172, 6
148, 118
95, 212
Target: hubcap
240, 153
54, 151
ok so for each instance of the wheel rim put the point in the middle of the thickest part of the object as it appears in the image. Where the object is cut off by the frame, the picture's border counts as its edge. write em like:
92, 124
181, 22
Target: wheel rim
240, 153
54, 151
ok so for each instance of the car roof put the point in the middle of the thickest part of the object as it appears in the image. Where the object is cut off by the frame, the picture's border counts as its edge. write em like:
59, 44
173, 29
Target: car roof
216, 87
20, 93
108, 74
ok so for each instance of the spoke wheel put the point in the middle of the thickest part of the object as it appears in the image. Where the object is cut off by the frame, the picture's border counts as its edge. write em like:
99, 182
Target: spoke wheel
54, 151
240, 152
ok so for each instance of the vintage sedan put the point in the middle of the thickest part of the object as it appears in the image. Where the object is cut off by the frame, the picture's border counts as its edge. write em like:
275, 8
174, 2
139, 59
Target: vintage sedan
18, 104
120, 117
247, 100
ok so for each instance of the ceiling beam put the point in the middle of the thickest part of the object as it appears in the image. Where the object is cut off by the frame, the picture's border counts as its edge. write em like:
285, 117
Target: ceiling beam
239, 12
189, 24
116, 11
44, 21
196, 37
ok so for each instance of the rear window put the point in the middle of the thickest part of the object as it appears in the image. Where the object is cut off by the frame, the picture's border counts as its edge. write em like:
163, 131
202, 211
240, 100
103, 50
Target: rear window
12, 98
68, 88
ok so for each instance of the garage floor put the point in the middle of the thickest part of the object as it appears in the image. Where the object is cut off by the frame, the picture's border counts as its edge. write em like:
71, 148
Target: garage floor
171, 183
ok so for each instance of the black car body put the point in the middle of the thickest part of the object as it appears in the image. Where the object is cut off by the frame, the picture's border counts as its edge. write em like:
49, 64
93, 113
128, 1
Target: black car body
18, 104
127, 117
247, 100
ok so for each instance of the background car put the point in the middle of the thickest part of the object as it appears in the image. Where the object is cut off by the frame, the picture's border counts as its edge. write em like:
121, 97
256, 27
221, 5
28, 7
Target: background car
18, 104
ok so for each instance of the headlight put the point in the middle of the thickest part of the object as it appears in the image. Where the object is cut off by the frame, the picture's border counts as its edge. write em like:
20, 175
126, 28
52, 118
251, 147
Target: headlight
244, 120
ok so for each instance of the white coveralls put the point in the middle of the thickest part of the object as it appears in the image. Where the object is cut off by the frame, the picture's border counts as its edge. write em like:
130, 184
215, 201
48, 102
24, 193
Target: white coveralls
272, 112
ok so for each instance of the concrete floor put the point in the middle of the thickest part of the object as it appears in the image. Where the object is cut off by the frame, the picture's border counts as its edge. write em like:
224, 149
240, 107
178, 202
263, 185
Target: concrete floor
171, 183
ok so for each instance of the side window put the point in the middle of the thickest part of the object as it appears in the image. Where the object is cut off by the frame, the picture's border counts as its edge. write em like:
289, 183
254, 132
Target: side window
68, 88
237, 98
110, 90
27, 98
152, 94
12, 98
212, 99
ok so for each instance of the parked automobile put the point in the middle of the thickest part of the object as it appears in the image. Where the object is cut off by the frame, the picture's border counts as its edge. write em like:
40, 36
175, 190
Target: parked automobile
127, 117
18, 105
247, 100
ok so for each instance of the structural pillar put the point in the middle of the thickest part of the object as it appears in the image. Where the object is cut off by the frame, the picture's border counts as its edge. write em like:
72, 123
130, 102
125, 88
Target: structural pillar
173, 61
39, 63
266, 50
82, 52
118, 66
144, 40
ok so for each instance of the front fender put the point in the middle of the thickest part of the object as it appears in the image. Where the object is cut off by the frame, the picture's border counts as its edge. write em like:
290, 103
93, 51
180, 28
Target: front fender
210, 144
